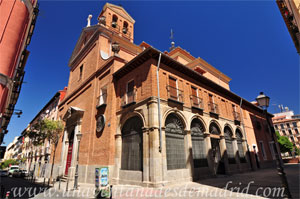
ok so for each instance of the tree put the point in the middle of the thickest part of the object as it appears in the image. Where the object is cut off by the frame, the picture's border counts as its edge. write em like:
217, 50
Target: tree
8, 162
52, 129
284, 143
36, 136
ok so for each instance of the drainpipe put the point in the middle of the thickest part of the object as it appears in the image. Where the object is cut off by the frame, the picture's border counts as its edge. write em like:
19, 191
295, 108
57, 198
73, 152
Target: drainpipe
243, 125
158, 104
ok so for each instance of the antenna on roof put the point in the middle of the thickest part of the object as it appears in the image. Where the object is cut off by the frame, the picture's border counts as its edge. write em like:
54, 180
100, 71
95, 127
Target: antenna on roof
172, 42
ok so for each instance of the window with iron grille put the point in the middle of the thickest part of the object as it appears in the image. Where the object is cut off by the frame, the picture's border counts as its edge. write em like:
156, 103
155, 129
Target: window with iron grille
214, 129
229, 146
132, 145
175, 143
239, 139
198, 144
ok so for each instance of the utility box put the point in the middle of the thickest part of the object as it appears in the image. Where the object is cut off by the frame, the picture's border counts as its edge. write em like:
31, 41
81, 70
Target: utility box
103, 190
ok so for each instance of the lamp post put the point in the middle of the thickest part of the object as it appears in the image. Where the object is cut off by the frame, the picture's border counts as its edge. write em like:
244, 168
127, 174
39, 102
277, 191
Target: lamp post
263, 102
79, 135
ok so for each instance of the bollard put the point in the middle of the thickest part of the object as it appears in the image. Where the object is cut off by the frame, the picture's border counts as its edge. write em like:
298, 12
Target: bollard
7, 195
59, 184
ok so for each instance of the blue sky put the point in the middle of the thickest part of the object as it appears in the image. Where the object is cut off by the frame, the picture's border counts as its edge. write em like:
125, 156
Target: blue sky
246, 40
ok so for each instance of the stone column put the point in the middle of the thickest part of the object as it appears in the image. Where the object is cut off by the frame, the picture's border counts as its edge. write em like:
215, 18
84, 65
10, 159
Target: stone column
236, 152
145, 155
246, 152
156, 158
118, 153
209, 152
222, 144
189, 152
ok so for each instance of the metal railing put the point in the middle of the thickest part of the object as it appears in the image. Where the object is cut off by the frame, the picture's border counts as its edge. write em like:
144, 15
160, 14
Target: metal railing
128, 98
236, 116
102, 99
213, 108
175, 94
196, 101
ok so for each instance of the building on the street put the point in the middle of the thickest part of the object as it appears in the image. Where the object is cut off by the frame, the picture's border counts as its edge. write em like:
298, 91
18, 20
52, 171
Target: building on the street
37, 157
288, 124
2, 152
290, 11
10, 149
193, 128
17, 24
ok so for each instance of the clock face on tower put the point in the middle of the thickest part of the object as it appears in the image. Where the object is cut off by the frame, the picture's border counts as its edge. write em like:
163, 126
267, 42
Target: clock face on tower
100, 123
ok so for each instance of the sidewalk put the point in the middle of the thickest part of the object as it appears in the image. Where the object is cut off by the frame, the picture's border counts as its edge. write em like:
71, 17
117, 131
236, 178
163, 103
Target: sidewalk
264, 183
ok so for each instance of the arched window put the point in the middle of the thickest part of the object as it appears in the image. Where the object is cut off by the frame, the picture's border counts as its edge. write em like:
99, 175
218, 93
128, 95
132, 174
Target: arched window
132, 144
114, 21
229, 145
198, 144
175, 143
239, 139
214, 129
125, 27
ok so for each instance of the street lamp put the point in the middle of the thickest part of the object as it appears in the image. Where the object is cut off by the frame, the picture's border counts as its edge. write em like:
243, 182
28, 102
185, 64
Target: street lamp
78, 135
263, 101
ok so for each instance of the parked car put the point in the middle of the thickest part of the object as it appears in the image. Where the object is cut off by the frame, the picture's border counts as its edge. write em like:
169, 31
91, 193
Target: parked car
3, 173
17, 173
12, 169
24, 173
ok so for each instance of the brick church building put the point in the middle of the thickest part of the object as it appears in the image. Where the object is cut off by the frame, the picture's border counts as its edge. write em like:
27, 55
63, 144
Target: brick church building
153, 117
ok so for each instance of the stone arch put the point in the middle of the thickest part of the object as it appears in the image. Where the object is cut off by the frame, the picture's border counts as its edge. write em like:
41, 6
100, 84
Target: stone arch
125, 117
215, 127
228, 135
199, 151
132, 144
240, 140
201, 120
175, 142
176, 112
229, 127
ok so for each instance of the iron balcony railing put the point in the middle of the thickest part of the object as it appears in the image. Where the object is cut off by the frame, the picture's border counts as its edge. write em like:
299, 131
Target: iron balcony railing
213, 108
128, 98
196, 101
236, 116
175, 94
102, 100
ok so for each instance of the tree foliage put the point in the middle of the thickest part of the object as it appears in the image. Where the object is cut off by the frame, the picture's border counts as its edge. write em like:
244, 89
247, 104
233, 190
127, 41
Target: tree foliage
284, 143
52, 130
8, 162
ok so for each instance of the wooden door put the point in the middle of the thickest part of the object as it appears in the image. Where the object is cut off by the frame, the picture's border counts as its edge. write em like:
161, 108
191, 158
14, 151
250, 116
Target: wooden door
194, 97
130, 93
69, 158
70, 151
173, 88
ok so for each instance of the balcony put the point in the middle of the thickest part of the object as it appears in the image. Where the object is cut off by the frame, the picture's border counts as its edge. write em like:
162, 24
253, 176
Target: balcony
196, 102
128, 99
213, 108
102, 100
175, 94
237, 116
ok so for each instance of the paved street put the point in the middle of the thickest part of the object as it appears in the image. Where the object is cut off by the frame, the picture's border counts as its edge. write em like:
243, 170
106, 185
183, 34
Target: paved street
257, 184
20, 188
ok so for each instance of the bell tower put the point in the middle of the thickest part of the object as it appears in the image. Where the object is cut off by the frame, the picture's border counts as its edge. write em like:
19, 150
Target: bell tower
116, 18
